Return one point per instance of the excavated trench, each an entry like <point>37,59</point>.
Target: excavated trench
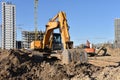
<point>17,65</point>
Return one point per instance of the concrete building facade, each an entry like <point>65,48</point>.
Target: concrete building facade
<point>8,26</point>
<point>117,33</point>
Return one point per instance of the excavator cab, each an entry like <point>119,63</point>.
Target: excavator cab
<point>57,43</point>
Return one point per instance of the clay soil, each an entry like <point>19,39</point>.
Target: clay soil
<point>18,65</point>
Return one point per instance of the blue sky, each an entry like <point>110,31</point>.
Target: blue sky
<point>88,19</point>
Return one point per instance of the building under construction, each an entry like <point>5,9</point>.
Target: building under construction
<point>28,37</point>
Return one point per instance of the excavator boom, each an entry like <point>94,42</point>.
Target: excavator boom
<point>59,21</point>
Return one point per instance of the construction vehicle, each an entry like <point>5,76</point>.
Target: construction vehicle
<point>68,53</point>
<point>52,25</point>
<point>89,49</point>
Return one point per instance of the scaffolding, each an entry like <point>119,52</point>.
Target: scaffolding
<point>29,36</point>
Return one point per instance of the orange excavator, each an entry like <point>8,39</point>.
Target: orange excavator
<point>89,49</point>
<point>68,53</point>
<point>48,40</point>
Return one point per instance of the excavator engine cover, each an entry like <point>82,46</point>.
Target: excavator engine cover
<point>74,55</point>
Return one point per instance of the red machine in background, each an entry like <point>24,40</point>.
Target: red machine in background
<point>89,48</point>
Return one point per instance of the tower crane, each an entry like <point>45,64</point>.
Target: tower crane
<point>36,18</point>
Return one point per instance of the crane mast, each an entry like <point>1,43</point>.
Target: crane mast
<point>36,18</point>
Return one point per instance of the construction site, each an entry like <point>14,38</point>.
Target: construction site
<point>47,55</point>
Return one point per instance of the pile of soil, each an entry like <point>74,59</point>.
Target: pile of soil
<point>17,65</point>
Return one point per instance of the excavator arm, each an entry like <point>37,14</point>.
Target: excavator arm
<point>59,21</point>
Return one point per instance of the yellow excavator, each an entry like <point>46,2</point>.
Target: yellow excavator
<point>68,53</point>
<point>52,25</point>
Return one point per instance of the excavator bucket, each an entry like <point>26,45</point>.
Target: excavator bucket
<point>74,55</point>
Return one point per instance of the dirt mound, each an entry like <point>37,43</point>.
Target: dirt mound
<point>109,73</point>
<point>17,65</point>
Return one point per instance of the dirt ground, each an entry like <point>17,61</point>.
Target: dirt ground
<point>17,65</point>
